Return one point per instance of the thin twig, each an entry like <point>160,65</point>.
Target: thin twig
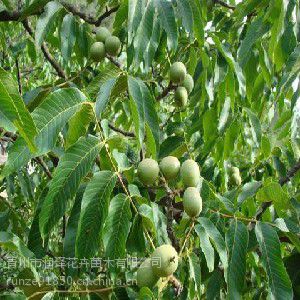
<point>60,72</point>
<point>41,162</point>
<point>290,174</point>
<point>119,130</point>
<point>187,237</point>
<point>19,77</point>
<point>224,4</point>
<point>166,91</point>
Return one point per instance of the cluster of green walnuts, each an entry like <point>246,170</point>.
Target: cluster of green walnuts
<point>164,260</point>
<point>184,83</point>
<point>105,44</point>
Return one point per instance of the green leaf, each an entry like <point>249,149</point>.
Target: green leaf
<point>195,271</point>
<point>117,227</point>
<point>206,247</point>
<point>216,238</point>
<point>145,294</point>
<point>224,50</point>
<point>45,21</point>
<point>173,145</point>
<point>144,32</point>
<point>11,242</point>
<point>290,72</point>
<point>68,36</point>
<point>279,281</point>
<point>168,22</point>
<point>185,11</point>
<point>33,7</point>
<point>104,95</point>
<point>231,136</point>
<point>248,190</point>
<point>35,241</point>
<point>94,211</point>
<point>214,285</point>
<point>50,118</point>
<point>136,238</point>
<point>255,125</point>
<point>273,192</point>
<point>14,110</point>
<point>144,108</point>
<point>135,13</point>
<point>237,238</point>
<point>198,27</point>
<point>79,123</point>
<point>71,230</point>
<point>72,168</point>
<point>254,32</point>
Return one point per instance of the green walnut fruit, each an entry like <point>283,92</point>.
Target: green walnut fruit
<point>164,261</point>
<point>97,51</point>
<point>112,45</point>
<point>192,202</point>
<point>190,173</point>
<point>145,275</point>
<point>181,96</point>
<point>177,72</point>
<point>188,83</point>
<point>170,167</point>
<point>148,171</point>
<point>102,34</point>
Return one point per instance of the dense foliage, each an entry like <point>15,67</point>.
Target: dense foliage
<point>86,120</point>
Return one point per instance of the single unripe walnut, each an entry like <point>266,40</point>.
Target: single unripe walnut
<point>181,96</point>
<point>190,173</point>
<point>170,167</point>
<point>148,171</point>
<point>192,202</point>
<point>97,51</point>
<point>112,45</point>
<point>102,33</point>
<point>145,275</point>
<point>177,72</point>
<point>164,261</point>
<point>188,83</point>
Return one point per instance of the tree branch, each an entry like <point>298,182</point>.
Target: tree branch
<point>41,162</point>
<point>19,76</point>
<point>166,91</point>
<point>119,130</point>
<point>87,18</point>
<point>45,50</point>
<point>224,4</point>
<point>290,174</point>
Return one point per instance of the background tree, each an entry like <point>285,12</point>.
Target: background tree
<point>78,118</point>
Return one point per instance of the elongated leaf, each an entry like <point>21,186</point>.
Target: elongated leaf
<point>135,13</point>
<point>216,239</point>
<point>168,22</point>
<point>50,117</point>
<point>117,227</point>
<point>144,32</point>
<point>14,110</point>
<point>45,21</point>
<point>104,95</point>
<point>233,65</point>
<point>269,244</point>
<point>255,125</point>
<point>195,271</point>
<point>186,14</point>
<point>198,27</point>
<point>79,124</point>
<point>33,7</point>
<point>255,31</point>
<point>35,241</point>
<point>94,211</point>
<point>206,247</point>
<point>237,242</point>
<point>143,109</point>
<point>290,72</point>
<point>12,242</point>
<point>68,36</point>
<point>248,190</point>
<point>72,168</point>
